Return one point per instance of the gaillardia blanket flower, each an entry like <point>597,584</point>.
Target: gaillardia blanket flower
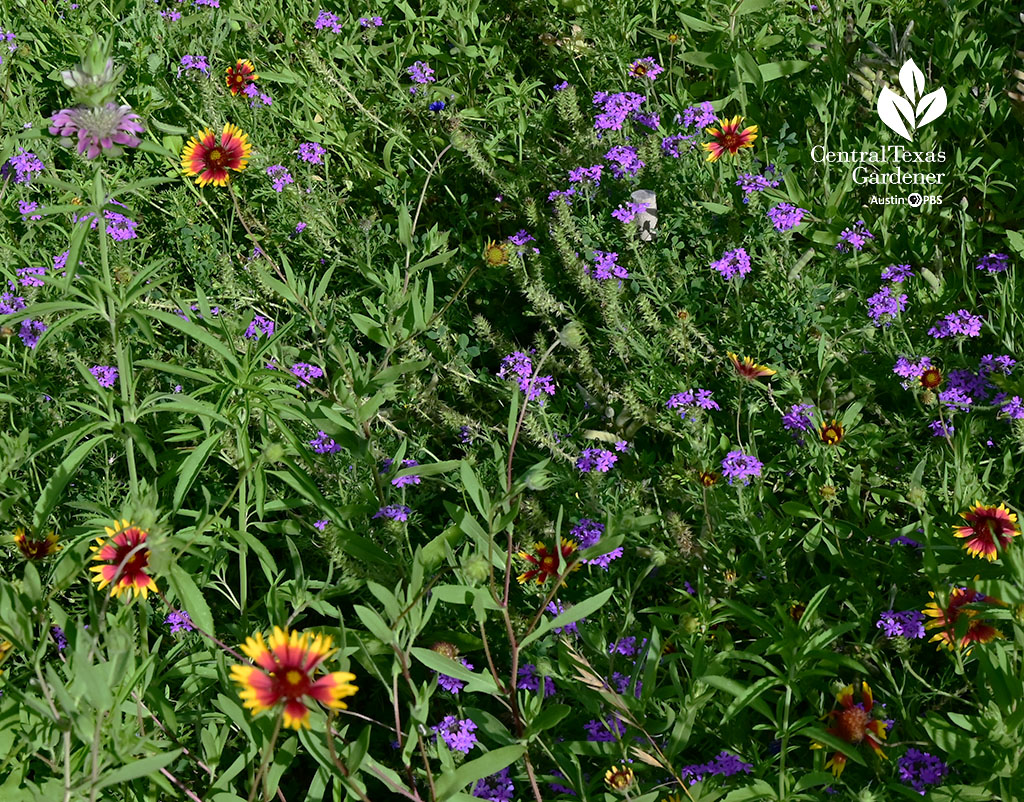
<point>545,561</point>
<point>986,525</point>
<point>831,434</point>
<point>284,670</point>
<point>854,724</point>
<point>945,619</point>
<point>496,253</point>
<point>748,369</point>
<point>123,560</point>
<point>729,138</point>
<point>35,549</point>
<point>209,160</point>
<point>240,74</point>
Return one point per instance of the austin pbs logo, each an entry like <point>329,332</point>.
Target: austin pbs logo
<point>905,115</point>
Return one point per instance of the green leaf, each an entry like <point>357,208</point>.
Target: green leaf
<point>491,763</point>
<point>138,768</point>
<point>750,6</point>
<point>59,478</point>
<point>548,718</point>
<point>431,469</point>
<point>570,616</point>
<point>1016,241</point>
<point>781,69</point>
<point>405,227</point>
<point>445,665</point>
<point>192,465</point>
<point>191,597</point>
<point>376,625</point>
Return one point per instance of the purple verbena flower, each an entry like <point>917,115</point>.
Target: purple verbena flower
<point>25,164</point>
<point>260,326</point>
<point>960,322</point>
<point>994,263</point>
<point>920,770</point>
<point>885,306</point>
<point>855,237</point>
<point>738,465</point>
<point>786,216</point>
<point>105,375</point>
<point>733,263</point>
<point>322,444</point>
<point>897,274</point>
<point>305,373</point>
<point>396,512</point>
<point>312,152</point>
<point>179,621</point>
<point>598,459</point>
<point>31,331</point>
<point>457,733</point>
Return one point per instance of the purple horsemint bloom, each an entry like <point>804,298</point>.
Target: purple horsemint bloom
<point>920,770</point>
<point>312,152</point>
<point>25,164</point>
<point>786,216</point>
<point>960,322</point>
<point>885,306</point>
<point>738,465</point>
<point>31,331</point>
<point>98,129</point>
<point>457,733</point>
<point>260,326</point>
<point>565,194</point>
<point>496,788</point>
<point>411,479</point>
<point>855,237</point>
<point>897,274</point>
<point>280,175</point>
<point>396,512</point>
<point>421,73</point>
<point>907,624</point>
<point>305,373</point>
<point>322,444</point>
<point>598,459</point>
<point>994,263</point>
<point>105,375</point>
<point>529,680</point>
<point>179,621</point>
<point>733,263</point>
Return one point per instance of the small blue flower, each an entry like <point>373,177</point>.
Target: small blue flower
<point>437,105</point>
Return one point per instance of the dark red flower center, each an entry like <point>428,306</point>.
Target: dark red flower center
<point>851,724</point>
<point>290,682</point>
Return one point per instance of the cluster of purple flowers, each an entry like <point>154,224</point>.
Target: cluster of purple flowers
<point>941,429</point>
<point>496,788</point>
<point>421,73</point>
<point>855,237</point>
<point>26,208</point>
<point>592,174</point>
<point>179,621</point>
<point>758,182</point>
<point>322,523</point>
<point>724,765</point>
<point>59,638</point>
<point>691,399</point>
<point>960,322</point>
<point>596,459</point>
<point>625,161</point>
<point>796,420</point>
<point>25,164</point>
<point>615,108</point>
<point>8,37</point>
<point>457,733</point>
<point>260,326</point>
<point>450,684</point>
<point>994,263</point>
<point>738,465</point>
<point>256,96</point>
<point>885,305</point>
<point>119,227</point>
<point>520,238</point>
<point>327,19</point>
<point>398,512</point>
<point>786,216</point>
<point>598,732</point>
<point>897,274</point>
<point>9,302</point>
<point>626,214</point>
<point>31,331</point>
<point>733,263</point>
<point>411,479</point>
<point>281,177</point>
<point>911,370</point>
<point>105,375</point>
<point>907,624</point>
<point>322,444</point>
<point>587,533</point>
<point>606,266</point>
<point>312,152</point>
<point>920,769</point>
<point>626,646</point>
<point>528,679</point>
<point>699,116</point>
<point>670,144</point>
<point>305,373</point>
<point>519,364</point>
<point>31,276</point>
<point>370,22</point>
<point>197,63</point>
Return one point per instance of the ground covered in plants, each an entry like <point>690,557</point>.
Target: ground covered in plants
<point>538,400</point>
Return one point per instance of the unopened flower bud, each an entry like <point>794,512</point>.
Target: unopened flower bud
<point>446,649</point>
<point>917,496</point>
<point>571,335</point>
<point>476,569</point>
<point>274,452</point>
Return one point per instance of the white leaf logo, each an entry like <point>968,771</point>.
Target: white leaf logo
<point>904,115</point>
